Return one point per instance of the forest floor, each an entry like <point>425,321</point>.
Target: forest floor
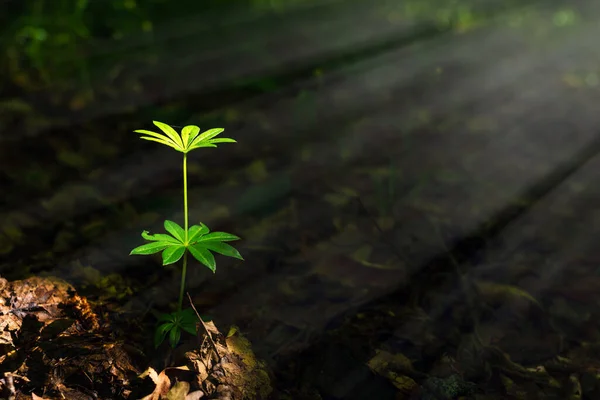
<point>424,210</point>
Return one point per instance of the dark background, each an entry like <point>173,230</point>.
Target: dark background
<point>409,166</point>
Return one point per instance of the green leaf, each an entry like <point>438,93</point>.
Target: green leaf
<point>189,321</point>
<point>222,248</point>
<point>201,144</point>
<point>160,237</point>
<point>188,134</point>
<point>222,140</point>
<point>184,137</point>
<point>172,254</point>
<point>218,236</point>
<point>204,256</point>
<point>161,333</point>
<point>163,317</point>
<point>205,136</point>
<point>176,230</point>
<point>190,327</point>
<point>172,133</point>
<point>158,136</point>
<point>174,336</point>
<point>188,313</point>
<point>195,231</point>
<point>151,248</point>
<point>162,142</point>
<point>176,322</point>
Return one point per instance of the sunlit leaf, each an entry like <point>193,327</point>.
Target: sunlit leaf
<point>160,237</point>
<point>161,141</point>
<point>157,136</point>
<point>189,133</point>
<point>176,230</point>
<point>209,134</point>
<point>222,140</point>
<point>172,254</point>
<point>170,132</point>
<point>201,144</point>
<point>218,236</point>
<point>184,137</point>
<point>204,256</point>
<point>222,248</point>
<point>150,248</point>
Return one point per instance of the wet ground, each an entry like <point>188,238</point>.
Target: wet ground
<point>416,199</point>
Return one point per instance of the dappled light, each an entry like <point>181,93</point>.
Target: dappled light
<point>385,199</point>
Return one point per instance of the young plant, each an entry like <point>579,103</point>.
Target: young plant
<point>197,240</point>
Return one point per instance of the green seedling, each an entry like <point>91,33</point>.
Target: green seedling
<point>197,240</point>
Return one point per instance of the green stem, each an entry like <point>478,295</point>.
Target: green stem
<point>185,217</point>
<point>182,289</point>
<point>185,204</point>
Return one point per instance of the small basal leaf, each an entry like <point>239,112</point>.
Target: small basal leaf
<point>161,333</point>
<point>222,248</point>
<point>189,321</point>
<point>195,231</point>
<point>171,133</point>
<point>188,134</point>
<point>174,336</point>
<point>204,256</point>
<point>218,236</point>
<point>167,326</point>
<point>188,314</point>
<point>151,248</point>
<point>173,254</point>
<point>190,327</point>
<point>176,230</point>
<point>163,317</point>
<point>160,237</point>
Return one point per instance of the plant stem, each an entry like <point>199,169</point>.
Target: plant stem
<point>182,289</point>
<point>185,217</point>
<point>185,204</point>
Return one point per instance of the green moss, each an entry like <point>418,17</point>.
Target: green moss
<point>254,379</point>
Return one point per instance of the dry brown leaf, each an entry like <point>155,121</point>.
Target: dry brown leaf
<point>162,382</point>
<point>179,391</point>
<point>196,395</point>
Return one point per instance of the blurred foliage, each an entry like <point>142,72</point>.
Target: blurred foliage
<point>46,40</point>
